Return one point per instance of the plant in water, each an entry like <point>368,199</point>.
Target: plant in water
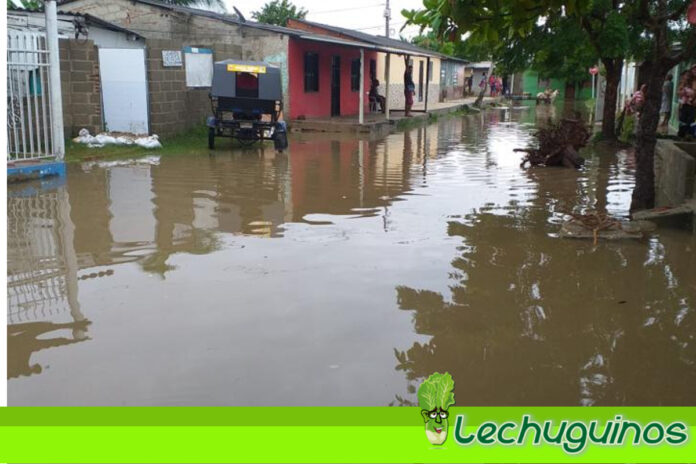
<point>628,129</point>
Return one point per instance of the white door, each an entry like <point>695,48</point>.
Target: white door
<point>124,89</point>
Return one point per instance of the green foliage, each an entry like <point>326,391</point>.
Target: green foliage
<point>612,34</point>
<point>278,12</point>
<point>437,391</point>
<point>31,5</point>
<point>510,33</point>
<point>487,22</point>
<point>628,128</point>
<point>562,50</point>
<point>431,41</point>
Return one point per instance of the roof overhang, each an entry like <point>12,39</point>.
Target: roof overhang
<point>355,44</point>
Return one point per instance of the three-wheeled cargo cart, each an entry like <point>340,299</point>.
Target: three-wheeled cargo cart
<point>247,101</point>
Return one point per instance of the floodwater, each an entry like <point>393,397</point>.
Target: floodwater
<point>343,273</point>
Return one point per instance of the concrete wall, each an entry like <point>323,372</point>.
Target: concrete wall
<point>675,172</point>
<point>451,80</point>
<point>174,106</point>
<point>80,85</point>
<point>105,38</point>
<point>478,75</point>
<point>397,68</point>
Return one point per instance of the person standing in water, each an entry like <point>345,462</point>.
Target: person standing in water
<point>409,88</point>
<point>666,106</point>
<point>687,102</point>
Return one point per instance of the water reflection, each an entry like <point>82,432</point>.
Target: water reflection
<point>253,278</point>
<point>533,320</point>
<point>41,277</point>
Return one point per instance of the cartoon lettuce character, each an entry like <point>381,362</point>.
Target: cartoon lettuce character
<point>435,396</point>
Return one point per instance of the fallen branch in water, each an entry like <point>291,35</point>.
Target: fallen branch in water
<point>596,222</point>
<point>558,145</point>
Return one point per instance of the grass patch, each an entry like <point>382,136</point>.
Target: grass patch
<point>191,142</point>
<point>409,123</point>
<point>628,129</point>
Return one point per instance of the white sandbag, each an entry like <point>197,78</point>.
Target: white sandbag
<point>104,138</point>
<point>121,140</point>
<point>149,142</point>
<point>84,137</point>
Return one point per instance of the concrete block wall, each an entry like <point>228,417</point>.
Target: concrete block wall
<point>397,99</point>
<point>675,172</point>
<point>451,92</point>
<point>80,85</point>
<point>174,107</point>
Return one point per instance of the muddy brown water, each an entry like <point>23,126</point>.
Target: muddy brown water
<point>343,273</point>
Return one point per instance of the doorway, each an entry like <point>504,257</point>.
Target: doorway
<point>124,94</point>
<point>335,85</point>
<point>570,91</point>
<point>420,81</point>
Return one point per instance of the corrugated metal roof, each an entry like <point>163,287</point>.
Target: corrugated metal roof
<point>362,39</point>
<point>384,42</point>
<point>230,19</point>
<point>21,18</point>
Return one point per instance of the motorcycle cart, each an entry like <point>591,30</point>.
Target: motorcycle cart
<point>247,101</point>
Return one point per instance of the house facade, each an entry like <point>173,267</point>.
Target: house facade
<point>533,83</point>
<point>87,88</point>
<point>426,77</point>
<point>325,78</point>
<point>182,45</point>
<point>452,78</point>
<point>426,63</point>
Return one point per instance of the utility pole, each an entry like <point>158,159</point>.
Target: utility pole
<point>387,17</point>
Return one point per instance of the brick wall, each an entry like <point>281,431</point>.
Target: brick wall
<point>80,86</point>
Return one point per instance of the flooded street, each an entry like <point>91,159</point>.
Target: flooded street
<point>343,273</point>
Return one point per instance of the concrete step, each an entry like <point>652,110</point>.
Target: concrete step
<point>688,207</point>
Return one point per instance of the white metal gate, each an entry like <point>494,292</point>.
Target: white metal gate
<point>28,100</point>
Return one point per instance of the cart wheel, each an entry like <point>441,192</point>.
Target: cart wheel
<point>211,138</point>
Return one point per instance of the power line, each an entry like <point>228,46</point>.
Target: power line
<point>380,26</point>
<point>345,9</point>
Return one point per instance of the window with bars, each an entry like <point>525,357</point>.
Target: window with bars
<point>311,72</point>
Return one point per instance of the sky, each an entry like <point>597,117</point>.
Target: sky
<point>364,15</point>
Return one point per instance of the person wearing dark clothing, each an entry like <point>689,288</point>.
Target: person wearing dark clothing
<point>375,96</point>
<point>409,88</point>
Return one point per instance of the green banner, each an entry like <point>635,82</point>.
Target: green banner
<point>317,434</point>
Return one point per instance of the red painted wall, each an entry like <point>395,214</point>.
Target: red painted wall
<point>318,104</point>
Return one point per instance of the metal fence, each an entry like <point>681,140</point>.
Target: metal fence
<point>28,97</point>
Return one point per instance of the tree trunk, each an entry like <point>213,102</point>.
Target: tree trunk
<point>614,67</point>
<point>644,190</point>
